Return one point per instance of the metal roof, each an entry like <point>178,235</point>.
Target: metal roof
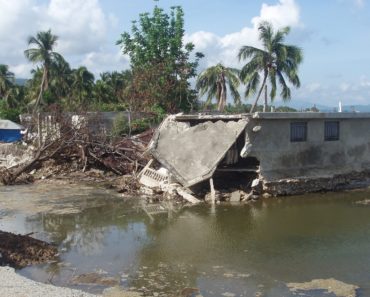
<point>9,125</point>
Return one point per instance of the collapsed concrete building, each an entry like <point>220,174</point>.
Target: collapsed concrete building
<point>281,153</point>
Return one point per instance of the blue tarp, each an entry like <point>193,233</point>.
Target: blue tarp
<point>10,135</point>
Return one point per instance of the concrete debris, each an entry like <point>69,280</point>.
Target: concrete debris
<point>255,183</point>
<point>13,154</point>
<point>158,180</point>
<point>235,196</point>
<point>187,196</point>
<point>256,128</point>
<point>191,154</point>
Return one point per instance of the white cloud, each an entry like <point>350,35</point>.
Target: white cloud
<point>313,87</point>
<point>81,26</point>
<point>101,62</point>
<point>225,48</point>
<point>359,3</point>
<point>344,86</point>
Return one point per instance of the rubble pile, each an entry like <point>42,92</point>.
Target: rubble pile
<point>21,250</point>
<point>95,159</point>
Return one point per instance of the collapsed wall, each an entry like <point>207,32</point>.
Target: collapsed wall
<point>286,153</point>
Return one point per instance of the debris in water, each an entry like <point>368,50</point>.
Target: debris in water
<point>21,250</point>
<point>331,285</point>
<point>95,279</point>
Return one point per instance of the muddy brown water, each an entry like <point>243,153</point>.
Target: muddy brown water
<point>224,250</point>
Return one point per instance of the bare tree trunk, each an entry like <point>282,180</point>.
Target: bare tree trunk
<point>41,89</point>
<point>259,94</point>
<point>222,102</point>
<point>39,130</point>
<point>265,104</point>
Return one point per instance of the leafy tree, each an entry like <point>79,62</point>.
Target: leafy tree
<point>43,53</point>
<point>82,86</point>
<point>6,81</point>
<point>61,79</point>
<point>158,54</point>
<point>276,61</point>
<point>215,80</point>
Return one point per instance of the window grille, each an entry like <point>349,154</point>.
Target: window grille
<point>331,131</point>
<point>298,131</point>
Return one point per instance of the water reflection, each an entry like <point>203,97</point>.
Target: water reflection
<point>242,250</point>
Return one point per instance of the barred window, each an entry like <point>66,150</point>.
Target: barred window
<point>331,131</point>
<point>298,131</point>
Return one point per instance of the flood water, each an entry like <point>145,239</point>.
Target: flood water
<point>224,250</point>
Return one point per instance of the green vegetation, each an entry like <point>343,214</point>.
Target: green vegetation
<point>159,79</point>
<point>215,80</point>
<point>160,61</point>
<point>275,61</point>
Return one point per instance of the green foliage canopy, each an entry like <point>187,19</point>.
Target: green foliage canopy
<point>158,54</point>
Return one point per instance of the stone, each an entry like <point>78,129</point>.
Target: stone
<point>255,183</point>
<point>266,195</point>
<point>256,128</point>
<point>255,197</point>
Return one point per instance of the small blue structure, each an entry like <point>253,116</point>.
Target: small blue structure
<point>10,131</point>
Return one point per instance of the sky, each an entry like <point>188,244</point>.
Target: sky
<point>333,34</point>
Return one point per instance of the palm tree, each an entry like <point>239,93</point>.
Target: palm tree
<point>215,80</point>
<point>61,78</point>
<point>82,85</point>
<point>275,61</point>
<point>43,53</point>
<point>6,81</point>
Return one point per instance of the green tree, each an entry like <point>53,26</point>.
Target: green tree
<point>61,79</point>
<point>43,53</point>
<point>156,46</point>
<point>82,86</point>
<point>7,80</point>
<point>215,81</point>
<point>276,61</point>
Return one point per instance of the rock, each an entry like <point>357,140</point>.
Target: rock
<point>247,197</point>
<point>331,285</point>
<point>95,279</point>
<point>255,197</point>
<point>255,183</point>
<point>187,292</point>
<point>266,195</point>
<point>256,128</point>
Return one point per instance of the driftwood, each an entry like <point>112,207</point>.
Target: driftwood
<point>125,156</point>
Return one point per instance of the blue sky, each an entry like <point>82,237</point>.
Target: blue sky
<point>334,35</point>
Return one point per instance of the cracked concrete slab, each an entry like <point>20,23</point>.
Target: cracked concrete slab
<point>192,154</point>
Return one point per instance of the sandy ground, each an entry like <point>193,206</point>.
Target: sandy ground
<point>14,285</point>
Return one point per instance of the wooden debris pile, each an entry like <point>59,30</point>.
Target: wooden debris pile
<point>124,157</point>
<point>22,250</point>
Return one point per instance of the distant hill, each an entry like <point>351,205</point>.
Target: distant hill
<point>300,105</point>
<point>20,81</point>
<point>359,108</point>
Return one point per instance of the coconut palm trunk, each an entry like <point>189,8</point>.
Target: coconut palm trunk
<point>42,88</point>
<point>259,94</point>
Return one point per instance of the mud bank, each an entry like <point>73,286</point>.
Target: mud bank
<point>298,186</point>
